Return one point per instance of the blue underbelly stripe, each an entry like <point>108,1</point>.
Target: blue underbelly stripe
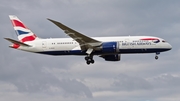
<point>122,51</point>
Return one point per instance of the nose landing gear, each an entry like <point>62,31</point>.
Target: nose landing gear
<point>157,53</point>
<point>156,57</point>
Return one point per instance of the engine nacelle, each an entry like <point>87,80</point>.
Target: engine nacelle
<point>110,47</point>
<point>116,57</point>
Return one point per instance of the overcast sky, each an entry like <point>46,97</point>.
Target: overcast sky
<point>33,77</point>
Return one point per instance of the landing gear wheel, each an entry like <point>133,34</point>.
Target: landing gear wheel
<point>88,62</point>
<point>89,59</point>
<point>92,61</point>
<point>86,58</point>
<point>156,57</point>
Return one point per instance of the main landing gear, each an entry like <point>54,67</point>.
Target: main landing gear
<point>89,59</point>
<point>157,53</point>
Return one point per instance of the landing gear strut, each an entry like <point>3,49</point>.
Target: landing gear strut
<point>89,59</point>
<point>157,53</point>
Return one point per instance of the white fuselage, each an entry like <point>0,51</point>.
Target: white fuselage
<point>127,44</point>
<point>109,48</point>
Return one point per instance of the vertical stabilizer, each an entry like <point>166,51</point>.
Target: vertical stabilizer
<point>24,33</point>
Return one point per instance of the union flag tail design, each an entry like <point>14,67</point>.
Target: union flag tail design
<point>24,34</point>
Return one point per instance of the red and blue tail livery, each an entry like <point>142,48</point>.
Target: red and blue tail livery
<point>24,33</point>
<point>108,48</point>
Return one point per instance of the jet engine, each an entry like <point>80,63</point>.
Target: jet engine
<point>115,57</point>
<point>110,47</point>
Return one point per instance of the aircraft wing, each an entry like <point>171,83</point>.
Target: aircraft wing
<point>84,41</point>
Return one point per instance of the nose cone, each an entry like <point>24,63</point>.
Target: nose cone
<point>169,46</point>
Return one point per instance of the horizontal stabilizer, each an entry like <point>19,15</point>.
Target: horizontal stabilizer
<point>17,42</point>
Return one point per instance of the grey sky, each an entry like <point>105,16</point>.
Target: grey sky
<point>33,77</point>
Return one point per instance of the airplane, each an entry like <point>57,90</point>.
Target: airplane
<point>109,48</point>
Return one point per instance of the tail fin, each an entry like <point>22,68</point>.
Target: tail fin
<point>24,34</point>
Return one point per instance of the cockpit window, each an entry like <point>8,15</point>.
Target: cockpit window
<point>163,41</point>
